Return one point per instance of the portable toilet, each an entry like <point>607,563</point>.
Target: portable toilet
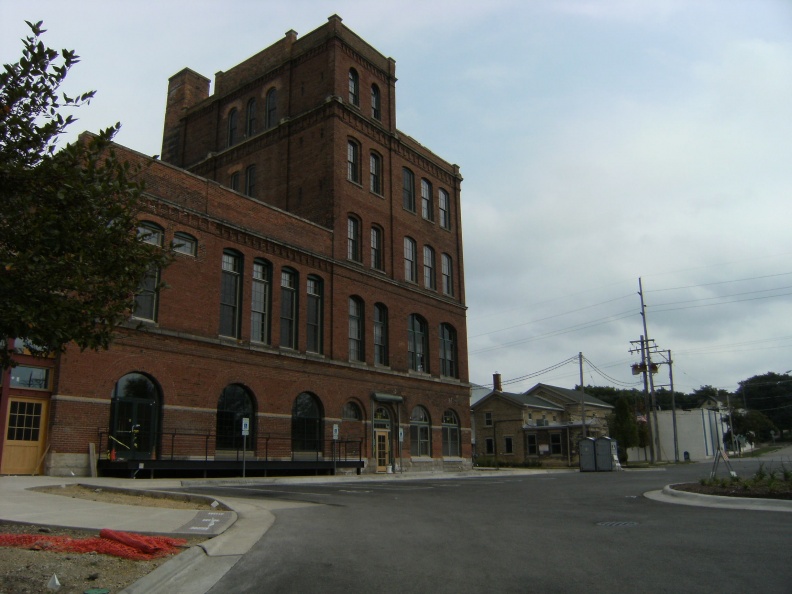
<point>588,458</point>
<point>606,454</point>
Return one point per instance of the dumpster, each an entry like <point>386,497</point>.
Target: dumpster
<point>588,458</point>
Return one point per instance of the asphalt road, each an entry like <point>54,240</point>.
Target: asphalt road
<point>564,532</point>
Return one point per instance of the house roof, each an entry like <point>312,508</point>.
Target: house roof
<point>521,400</point>
<point>570,396</point>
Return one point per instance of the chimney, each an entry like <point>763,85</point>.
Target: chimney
<point>496,382</point>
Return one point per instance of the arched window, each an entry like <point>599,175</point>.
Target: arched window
<point>380,334</point>
<point>351,412</point>
<point>272,109</point>
<point>450,434</point>
<point>427,200</point>
<point>418,344</point>
<point>377,256</point>
<point>410,260</point>
<point>250,181</point>
<point>353,161</point>
<point>376,106</point>
<point>250,117</point>
<point>230,293</point>
<point>420,431</point>
<point>150,233</point>
<point>353,239</point>
<point>448,351</point>
<point>235,404</point>
<point>134,418</point>
<point>356,345</point>
<point>232,127</point>
<point>184,243</point>
<point>408,189</point>
<point>354,87</point>
<point>288,309</point>
<point>375,171</point>
<point>429,267</point>
<point>447,272</point>
<point>315,314</point>
<point>444,205</point>
<point>307,433</point>
<point>260,302</point>
<point>234,181</point>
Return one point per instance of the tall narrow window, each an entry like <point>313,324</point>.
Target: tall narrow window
<point>147,295</point>
<point>380,334</point>
<point>234,183</point>
<point>271,108</point>
<point>376,103</point>
<point>230,295</point>
<point>450,433</point>
<point>377,260</point>
<point>375,169</point>
<point>288,309</point>
<point>315,313</point>
<point>250,118</point>
<point>417,344</point>
<point>353,239</point>
<point>448,351</point>
<point>353,161</point>
<point>354,87</point>
<point>232,127</point>
<point>410,260</point>
<point>260,302</point>
<point>427,201</point>
<point>429,267</point>
<point>356,347</point>
<point>448,274</point>
<point>250,181</point>
<point>445,209</point>
<point>420,430</point>
<point>408,189</point>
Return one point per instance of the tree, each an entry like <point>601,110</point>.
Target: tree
<point>770,394</point>
<point>70,257</point>
<point>623,427</point>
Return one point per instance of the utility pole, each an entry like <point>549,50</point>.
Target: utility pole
<point>582,396</point>
<point>649,371</point>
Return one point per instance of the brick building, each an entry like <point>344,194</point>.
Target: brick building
<point>317,288</point>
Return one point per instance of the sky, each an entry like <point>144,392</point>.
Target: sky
<point>601,142</point>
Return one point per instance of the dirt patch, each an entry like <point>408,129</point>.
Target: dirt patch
<point>737,490</point>
<point>130,497</point>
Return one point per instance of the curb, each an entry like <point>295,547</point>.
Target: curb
<point>670,495</point>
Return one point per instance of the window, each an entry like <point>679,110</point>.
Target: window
<point>375,168</point>
<point>354,87</point>
<point>427,201</point>
<point>146,298</point>
<point>234,183</point>
<point>315,307</point>
<point>555,443</point>
<point>24,421</point>
<point>380,334</point>
<point>250,181</point>
<point>447,272</point>
<point>230,295</point>
<point>408,191</point>
<point>250,118</point>
<point>307,424</point>
<point>377,260</point>
<point>445,209</point>
<point>488,419</point>
<point>271,107</point>
<point>235,404</point>
<point>232,127</point>
<point>260,302</point>
<point>450,433</point>
<point>353,161</point>
<point>376,104</point>
<point>34,378</point>
<point>508,445</point>
<point>351,412</point>
<point>185,243</point>
<point>420,430</point>
<point>356,346</point>
<point>150,233</point>
<point>353,239</point>
<point>489,446</point>
<point>418,344</point>
<point>288,309</point>
<point>533,449</point>
<point>410,260</point>
<point>448,351</point>
<point>429,267</point>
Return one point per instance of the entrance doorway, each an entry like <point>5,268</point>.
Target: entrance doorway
<point>134,418</point>
<point>26,437</point>
<point>382,438</point>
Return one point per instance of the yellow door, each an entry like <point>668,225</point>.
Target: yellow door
<point>25,439</point>
<point>382,441</point>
